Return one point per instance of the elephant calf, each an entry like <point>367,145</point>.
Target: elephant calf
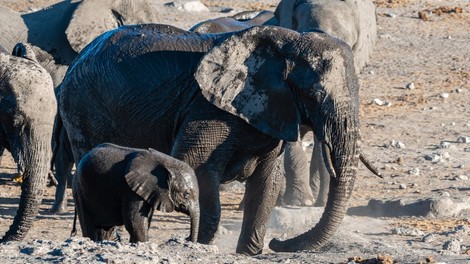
<point>116,185</point>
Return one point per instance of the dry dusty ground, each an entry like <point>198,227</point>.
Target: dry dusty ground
<point>417,138</point>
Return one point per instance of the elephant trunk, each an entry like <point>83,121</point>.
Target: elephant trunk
<point>342,164</point>
<point>194,214</point>
<point>34,155</point>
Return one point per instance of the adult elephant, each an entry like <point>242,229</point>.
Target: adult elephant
<point>57,33</point>
<point>239,21</point>
<point>214,101</point>
<point>27,110</point>
<point>353,21</point>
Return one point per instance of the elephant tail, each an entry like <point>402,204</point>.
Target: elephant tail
<point>74,226</point>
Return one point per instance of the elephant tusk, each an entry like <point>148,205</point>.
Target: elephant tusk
<point>327,159</point>
<point>369,165</point>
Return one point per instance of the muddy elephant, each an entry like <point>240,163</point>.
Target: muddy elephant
<point>116,186</point>
<point>205,100</point>
<point>57,33</point>
<point>236,22</point>
<point>27,110</point>
<point>353,21</point>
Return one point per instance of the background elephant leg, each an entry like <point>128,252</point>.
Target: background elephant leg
<point>106,233</point>
<point>298,191</point>
<point>320,178</point>
<point>63,169</point>
<point>63,164</point>
<point>261,191</point>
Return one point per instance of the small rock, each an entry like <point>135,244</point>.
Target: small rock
<point>429,238</point>
<point>463,139</point>
<point>462,177</point>
<point>462,229</point>
<point>444,95</point>
<point>433,157</point>
<point>402,186</point>
<point>405,231</point>
<point>445,144</point>
<point>391,15</point>
<point>190,6</point>
<point>410,86</point>
<point>452,245</point>
<point>414,172</point>
<point>378,102</point>
<point>458,90</point>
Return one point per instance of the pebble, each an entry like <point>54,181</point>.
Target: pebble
<point>391,15</point>
<point>378,102</point>
<point>452,245</point>
<point>462,177</point>
<point>463,139</point>
<point>444,95</point>
<point>429,238</point>
<point>462,229</point>
<point>402,186</point>
<point>410,86</point>
<point>414,172</point>
<point>433,157</point>
<point>190,6</point>
<point>404,231</point>
<point>445,144</point>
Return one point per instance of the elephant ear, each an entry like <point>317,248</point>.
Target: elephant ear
<point>245,76</point>
<point>149,180</point>
<point>94,17</point>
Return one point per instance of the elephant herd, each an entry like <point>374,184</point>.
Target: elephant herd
<point>157,117</point>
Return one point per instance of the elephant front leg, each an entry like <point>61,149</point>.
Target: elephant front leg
<point>210,210</point>
<point>262,189</point>
<point>298,191</point>
<point>320,178</point>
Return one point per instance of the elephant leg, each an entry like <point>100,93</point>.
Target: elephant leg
<point>106,233</point>
<point>63,169</point>
<point>86,221</point>
<point>136,219</point>
<point>320,178</point>
<point>298,191</point>
<point>63,163</point>
<point>210,209</point>
<point>262,189</point>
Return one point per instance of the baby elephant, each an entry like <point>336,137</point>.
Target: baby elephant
<point>116,186</point>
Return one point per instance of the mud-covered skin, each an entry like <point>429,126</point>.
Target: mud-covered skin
<point>27,110</point>
<point>204,99</point>
<point>353,21</point>
<point>236,22</point>
<point>57,33</point>
<point>117,186</point>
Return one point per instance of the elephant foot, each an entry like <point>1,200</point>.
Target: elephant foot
<point>299,199</point>
<point>58,208</point>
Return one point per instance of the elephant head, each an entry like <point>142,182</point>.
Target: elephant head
<point>58,32</point>
<point>353,21</point>
<point>166,184</point>
<point>277,79</point>
<point>27,110</point>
